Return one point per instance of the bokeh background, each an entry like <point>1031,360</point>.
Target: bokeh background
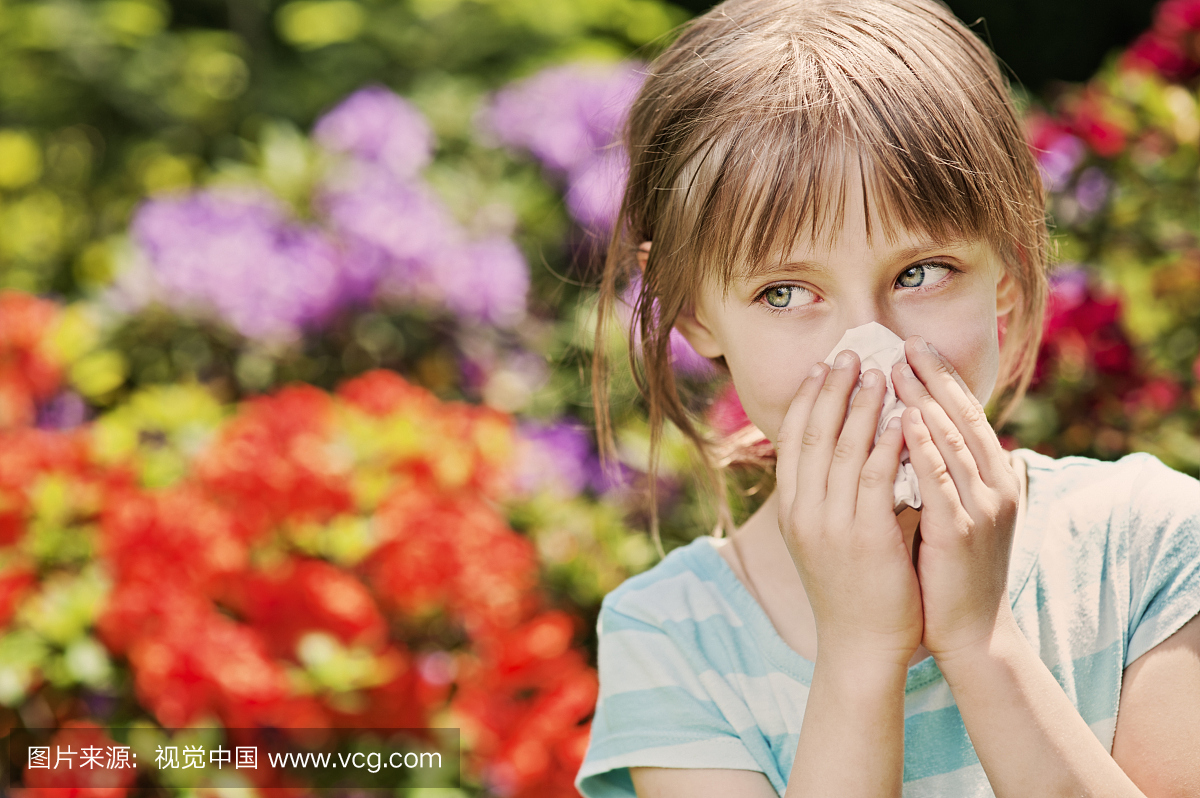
<point>295,425</point>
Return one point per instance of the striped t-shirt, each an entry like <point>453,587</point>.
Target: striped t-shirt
<point>1105,566</point>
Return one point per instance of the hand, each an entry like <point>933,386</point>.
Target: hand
<point>969,495</point>
<point>835,514</point>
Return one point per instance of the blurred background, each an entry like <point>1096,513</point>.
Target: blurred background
<point>296,313</point>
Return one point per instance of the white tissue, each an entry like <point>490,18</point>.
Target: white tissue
<point>878,347</point>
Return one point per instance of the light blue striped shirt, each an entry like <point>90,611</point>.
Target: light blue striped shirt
<point>1105,566</point>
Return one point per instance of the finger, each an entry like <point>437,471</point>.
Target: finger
<point>952,447</point>
<point>962,407</point>
<point>878,475</point>
<point>938,493</point>
<point>823,429</point>
<point>855,442</point>
<point>787,442</point>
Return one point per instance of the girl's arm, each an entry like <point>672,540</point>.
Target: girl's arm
<point>1032,741</point>
<point>1028,735</point>
<point>836,517</point>
<point>1158,721</point>
<point>851,744</point>
<point>835,514</point>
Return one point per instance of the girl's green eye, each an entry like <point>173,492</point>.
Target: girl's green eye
<point>779,296</point>
<point>786,297</point>
<point>922,274</point>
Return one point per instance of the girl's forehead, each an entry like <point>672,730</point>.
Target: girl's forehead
<point>854,222</point>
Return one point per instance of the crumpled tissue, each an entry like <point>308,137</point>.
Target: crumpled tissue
<point>878,347</point>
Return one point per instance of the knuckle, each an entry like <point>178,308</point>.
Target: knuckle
<point>941,476</point>
<point>925,399</point>
<point>973,414</point>
<point>872,478</point>
<point>844,450</point>
<point>812,437</point>
<point>956,442</point>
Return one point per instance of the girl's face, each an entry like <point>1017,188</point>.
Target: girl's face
<point>771,328</point>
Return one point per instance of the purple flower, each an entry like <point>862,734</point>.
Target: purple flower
<point>392,230</point>
<point>237,256</point>
<point>596,186</point>
<point>1059,159</point>
<point>483,280</point>
<point>377,126</point>
<point>67,410</point>
<point>1069,285</point>
<point>400,235</point>
<point>556,457</point>
<point>563,115</point>
<point>1091,189</point>
<point>570,119</point>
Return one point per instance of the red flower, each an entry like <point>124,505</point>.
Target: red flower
<point>1159,396</point>
<point>1172,46</point>
<point>1104,136</point>
<point>178,536</point>
<point>272,461</point>
<point>453,554</point>
<point>1178,17</point>
<point>1082,330</point>
<point>14,584</point>
<point>210,667</point>
<point>1153,52</point>
<point>526,703</point>
<point>381,393</point>
<point>300,596</point>
<point>28,375</point>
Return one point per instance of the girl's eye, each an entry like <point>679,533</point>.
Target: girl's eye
<point>782,297</point>
<point>923,275</point>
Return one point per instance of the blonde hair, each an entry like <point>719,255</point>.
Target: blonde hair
<point>742,139</point>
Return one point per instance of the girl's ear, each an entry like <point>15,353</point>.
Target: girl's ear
<point>1008,294</point>
<point>698,335</point>
<point>643,255</point>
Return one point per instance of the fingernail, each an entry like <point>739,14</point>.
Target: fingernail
<point>914,415</point>
<point>817,370</point>
<point>907,371</point>
<point>843,360</point>
<point>870,379</point>
<point>894,422</point>
<point>921,345</point>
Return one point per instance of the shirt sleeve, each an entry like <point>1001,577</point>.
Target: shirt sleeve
<point>653,709</point>
<point>1164,555</point>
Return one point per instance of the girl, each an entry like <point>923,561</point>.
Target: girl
<point>800,168</point>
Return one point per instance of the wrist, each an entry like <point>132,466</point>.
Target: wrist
<point>1003,639</point>
<point>863,677</point>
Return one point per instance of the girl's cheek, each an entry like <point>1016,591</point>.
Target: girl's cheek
<point>977,360</point>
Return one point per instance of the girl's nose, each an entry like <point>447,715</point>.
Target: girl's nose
<point>857,317</point>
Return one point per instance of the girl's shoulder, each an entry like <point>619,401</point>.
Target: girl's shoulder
<point>1129,483</point>
<point>690,585</point>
